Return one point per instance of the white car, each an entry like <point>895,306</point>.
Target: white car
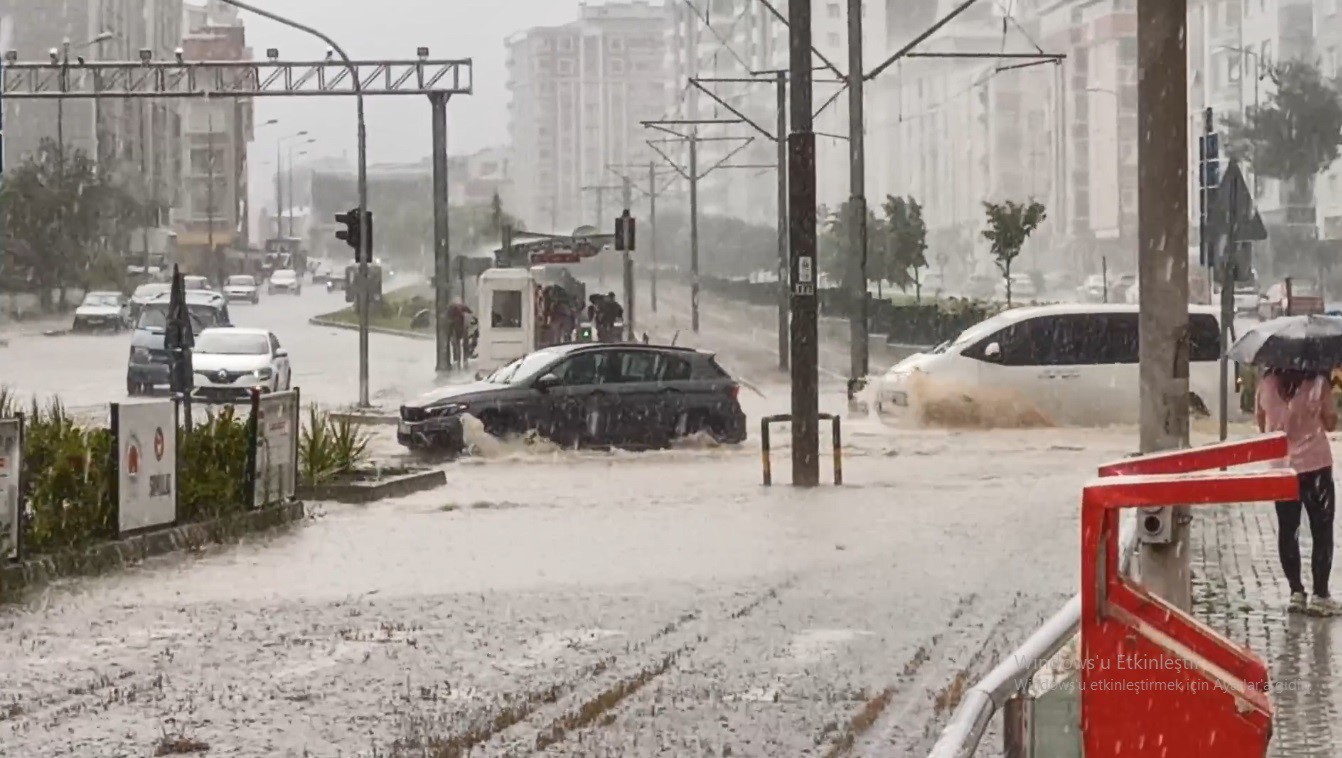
<point>242,287</point>
<point>196,283</point>
<point>1065,364</point>
<point>101,310</point>
<point>229,362</point>
<point>285,280</point>
<point>1022,288</point>
<point>1092,290</point>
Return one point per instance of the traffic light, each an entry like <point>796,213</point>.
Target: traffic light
<point>353,231</point>
<point>624,232</point>
<point>1209,151</point>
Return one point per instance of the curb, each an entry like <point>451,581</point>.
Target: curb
<point>18,578</point>
<point>332,323</point>
<point>365,419</point>
<point>358,493</point>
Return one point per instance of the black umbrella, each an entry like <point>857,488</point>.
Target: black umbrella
<point>1299,343</point>
<point>178,339</point>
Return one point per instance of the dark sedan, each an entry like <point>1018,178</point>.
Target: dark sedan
<point>586,394</point>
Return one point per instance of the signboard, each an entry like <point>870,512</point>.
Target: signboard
<point>146,445</point>
<point>11,464</point>
<point>275,469</point>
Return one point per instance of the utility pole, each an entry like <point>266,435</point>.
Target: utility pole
<point>652,233</point>
<point>279,189</point>
<point>780,79</point>
<point>627,265</point>
<point>857,178</point>
<point>694,230</point>
<point>209,201</point>
<point>1162,271</point>
<point>801,212</point>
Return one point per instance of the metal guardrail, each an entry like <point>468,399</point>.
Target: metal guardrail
<point>960,738</point>
<point>836,434</point>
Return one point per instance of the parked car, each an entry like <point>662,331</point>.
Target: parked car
<point>197,283</point>
<point>1091,290</point>
<point>1118,289</point>
<point>102,310</point>
<point>229,362</point>
<point>285,280</point>
<point>586,394</point>
<point>242,287</point>
<point>148,366</point>
<point>1073,363</point>
<point>1022,288</point>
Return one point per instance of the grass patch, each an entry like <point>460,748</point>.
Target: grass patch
<point>396,311</point>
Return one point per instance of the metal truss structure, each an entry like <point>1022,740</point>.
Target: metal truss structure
<point>271,78</point>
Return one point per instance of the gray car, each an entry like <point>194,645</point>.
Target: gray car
<point>620,394</point>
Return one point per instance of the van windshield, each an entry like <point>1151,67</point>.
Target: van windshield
<point>155,318</point>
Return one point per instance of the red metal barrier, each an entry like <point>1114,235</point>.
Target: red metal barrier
<point>1157,682</point>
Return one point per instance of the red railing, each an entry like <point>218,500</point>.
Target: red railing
<point>1155,681</point>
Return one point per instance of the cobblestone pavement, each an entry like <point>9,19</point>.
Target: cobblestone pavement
<point>1239,590</point>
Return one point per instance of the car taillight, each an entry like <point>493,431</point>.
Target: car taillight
<point>734,391</point>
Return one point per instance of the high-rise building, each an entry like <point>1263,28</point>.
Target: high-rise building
<point>134,140</point>
<point>579,91</point>
<point>212,212</point>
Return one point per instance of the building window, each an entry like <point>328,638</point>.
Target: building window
<point>617,66</point>
<point>565,44</point>
<point>566,67</point>
<point>616,43</point>
<point>833,10</point>
<point>833,39</point>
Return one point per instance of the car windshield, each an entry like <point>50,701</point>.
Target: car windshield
<point>155,317</point>
<point>284,276</point>
<point>241,281</point>
<point>195,282</point>
<point>145,291</point>
<point>232,343</point>
<point>522,369</point>
<point>102,299</point>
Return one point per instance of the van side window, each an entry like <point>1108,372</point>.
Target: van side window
<point>1019,343</point>
<point>1204,338</point>
<point>1076,339</point>
<point>1121,338</point>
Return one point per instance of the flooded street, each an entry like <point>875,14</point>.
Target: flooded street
<point>577,603</point>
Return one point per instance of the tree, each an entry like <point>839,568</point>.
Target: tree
<point>64,216</point>
<point>1010,224</point>
<point>1296,134</point>
<point>905,244</point>
<point>836,246</point>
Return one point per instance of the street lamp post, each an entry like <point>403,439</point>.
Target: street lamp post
<point>291,183</point>
<point>1118,155</point>
<point>362,138</point>
<point>64,57</point>
<point>279,178</point>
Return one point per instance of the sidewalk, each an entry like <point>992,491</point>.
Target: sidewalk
<point>1238,590</point>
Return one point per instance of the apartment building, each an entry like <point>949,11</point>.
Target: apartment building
<point>212,211</point>
<point>579,92</point>
<point>134,140</point>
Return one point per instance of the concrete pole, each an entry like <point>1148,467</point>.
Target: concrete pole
<point>781,82</point>
<point>801,217</point>
<point>856,269</point>
<point>694,230</point>
<point>442,270</point>
<point>279,189</point>
<point>652,232</point>
<point>1162,266</point>
<point>627,265</point>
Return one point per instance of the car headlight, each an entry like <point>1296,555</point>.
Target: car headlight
<point>447,409</point>
<point>139,355</point>
<point>262,373</point>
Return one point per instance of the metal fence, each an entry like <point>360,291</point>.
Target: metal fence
<point>1012,676</point>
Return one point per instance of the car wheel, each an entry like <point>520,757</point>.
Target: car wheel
<point>496,424</point>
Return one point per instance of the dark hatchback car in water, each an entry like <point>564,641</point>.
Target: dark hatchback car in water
<point>586,394</point>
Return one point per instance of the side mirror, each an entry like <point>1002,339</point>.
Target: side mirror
<point>281,353</point>
<point>992,351</point>
<point>546,382</point>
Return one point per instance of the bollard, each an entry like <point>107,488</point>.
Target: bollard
<point>764,451</point>
<point>1017,729</point>
<point>837,434</point>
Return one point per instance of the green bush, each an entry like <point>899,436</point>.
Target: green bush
<point>212,467</point>
<point>329,447</point>
<point>70,471</point>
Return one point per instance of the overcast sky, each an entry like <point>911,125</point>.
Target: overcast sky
<point>398,127</point>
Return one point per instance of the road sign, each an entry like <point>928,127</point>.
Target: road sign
<point>133,457</point>
<point>1233,211</point>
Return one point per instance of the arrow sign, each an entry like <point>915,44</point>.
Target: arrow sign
<point>1233,213</point>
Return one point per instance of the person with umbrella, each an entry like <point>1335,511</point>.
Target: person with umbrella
<point>1295,396</point>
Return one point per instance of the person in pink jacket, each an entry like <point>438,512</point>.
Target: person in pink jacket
<point>1300,404</point>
